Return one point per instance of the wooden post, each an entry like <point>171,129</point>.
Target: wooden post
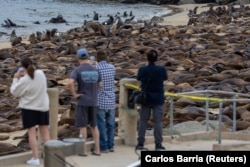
<point>53,112</point>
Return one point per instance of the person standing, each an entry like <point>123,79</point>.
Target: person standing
<point>88,81</point>
<point>106,103</point>
<point>30,85</point>
<point>152,79</point>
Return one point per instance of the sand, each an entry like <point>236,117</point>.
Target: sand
<point>179,17</point>
<point>181,13</point>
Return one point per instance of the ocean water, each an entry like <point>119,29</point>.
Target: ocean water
<point>26,12</point>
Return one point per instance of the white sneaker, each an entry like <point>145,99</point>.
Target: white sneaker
<point>33,161</point>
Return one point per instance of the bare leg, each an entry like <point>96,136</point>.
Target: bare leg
<point>83,132</point>
<point>44,130</point>
<point>95,134</point>
<point>33,141</point>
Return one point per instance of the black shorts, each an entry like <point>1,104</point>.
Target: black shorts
<point>32,118</point>
<point>85,115</point>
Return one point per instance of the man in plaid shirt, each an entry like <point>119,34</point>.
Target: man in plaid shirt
<point>106,103</point>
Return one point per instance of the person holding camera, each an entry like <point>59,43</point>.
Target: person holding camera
<point>152,79</point>
<point>88,81</point>
<point>30,85</point>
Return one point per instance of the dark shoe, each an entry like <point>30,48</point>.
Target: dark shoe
<point>139,147</point>
<point>159,147</point>
<point>83,155</point>
<point>104,150</point>
<point>96,154</point>
<point>111,150</point>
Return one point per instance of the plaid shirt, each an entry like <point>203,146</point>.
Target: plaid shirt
<point>106,95</point>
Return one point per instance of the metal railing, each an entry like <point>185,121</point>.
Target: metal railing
<point>235,98</point>
<point>207,100</point>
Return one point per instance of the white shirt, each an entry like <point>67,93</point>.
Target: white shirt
<point>32,92</point>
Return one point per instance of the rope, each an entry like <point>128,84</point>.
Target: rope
<point>136,87</point>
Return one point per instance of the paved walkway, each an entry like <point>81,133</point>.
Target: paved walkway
<point>125,155</point>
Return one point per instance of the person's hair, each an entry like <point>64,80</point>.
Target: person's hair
<point>152,56</point>
<point>29,65</point>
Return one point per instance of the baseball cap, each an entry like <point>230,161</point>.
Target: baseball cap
<point>82,53</point>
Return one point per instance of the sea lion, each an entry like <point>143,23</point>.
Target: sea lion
<point>32,38</point>
<point>13,35</point>
<point>244,112</point>
<point>4,127</point>
<point>7,148</point>
<point>58,19</point>
<point>110,21</point>
<point>96,27</point>
<point>240,125</point>
<point>4,137</point>
<point>16,41</point>
<point>96,16</point>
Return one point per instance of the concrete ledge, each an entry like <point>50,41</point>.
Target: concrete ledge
<point>231,147</point>
<point>243,144</point>
<point>19,158</point>
<point>244,139</point>
<point>13,159</point>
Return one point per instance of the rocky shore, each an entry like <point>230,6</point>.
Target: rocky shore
<point>203,48</point>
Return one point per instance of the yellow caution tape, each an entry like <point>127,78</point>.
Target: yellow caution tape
<point>136,87</point>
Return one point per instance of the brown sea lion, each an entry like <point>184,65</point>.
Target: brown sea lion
<point>240,125</point>
<point>4,137</point>
<point>244,112</point>
<point>6,128</point>
<point>6,148</point>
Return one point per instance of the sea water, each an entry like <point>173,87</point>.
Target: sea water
<point>26,12</point>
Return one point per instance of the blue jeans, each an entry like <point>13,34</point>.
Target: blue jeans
<point>106,126</point>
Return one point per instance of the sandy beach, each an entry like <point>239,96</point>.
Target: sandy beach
<point>179,17</point>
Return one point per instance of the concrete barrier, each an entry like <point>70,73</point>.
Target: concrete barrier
<point>55,152</point>
<point>127,125</point>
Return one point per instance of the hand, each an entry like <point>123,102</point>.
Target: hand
<point>17,75</point>
<point>76,96</point>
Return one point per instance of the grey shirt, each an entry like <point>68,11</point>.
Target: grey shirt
<point>87,78</point>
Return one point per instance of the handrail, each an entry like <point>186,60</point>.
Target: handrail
<point>185,94</point>
<point>205,98</point>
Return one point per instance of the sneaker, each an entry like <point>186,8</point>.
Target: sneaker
<point>111,150</point>
<point>33,161</point>
<point>159,147</point>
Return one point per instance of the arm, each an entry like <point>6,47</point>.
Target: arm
<point>165,74</point>
<point>138,77</point>
<point>71,86</point>
<point>100,84</point>
<point>18,87</point>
